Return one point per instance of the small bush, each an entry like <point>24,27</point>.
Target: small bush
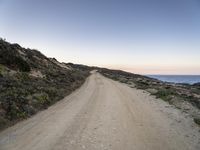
<point>165,94</point>
<point>142,85</point>
<point>3,122</point>
<point>1,69</point>
<point>13,111</point>
<point>43,99</point>
<point>22,65</point>
<point>197,120</point>
<point>11,59</point>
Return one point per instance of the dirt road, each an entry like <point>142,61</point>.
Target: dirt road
<point>104,115</point>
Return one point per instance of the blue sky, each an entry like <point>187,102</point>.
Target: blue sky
<point>141,36</point>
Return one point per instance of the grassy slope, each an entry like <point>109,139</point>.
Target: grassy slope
<point>22,93</point>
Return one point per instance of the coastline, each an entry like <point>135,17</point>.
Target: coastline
<point>184,97</point>
<point>179,79</point>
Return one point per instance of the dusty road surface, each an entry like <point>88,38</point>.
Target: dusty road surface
<point>104,115</point>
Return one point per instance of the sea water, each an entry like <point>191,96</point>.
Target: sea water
<point>191,79</point>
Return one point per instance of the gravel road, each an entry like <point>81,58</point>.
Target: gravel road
<point>105,115</point>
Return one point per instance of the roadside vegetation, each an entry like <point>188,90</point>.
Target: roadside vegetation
<point>197,120</point>
<point>183,96</point>
<point>30,82</point>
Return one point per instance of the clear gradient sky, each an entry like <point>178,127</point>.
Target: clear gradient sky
<point>141,36</point>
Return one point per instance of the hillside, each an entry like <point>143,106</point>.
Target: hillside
<point>29,82</point>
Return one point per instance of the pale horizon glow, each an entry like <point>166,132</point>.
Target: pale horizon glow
<point>139,36</point>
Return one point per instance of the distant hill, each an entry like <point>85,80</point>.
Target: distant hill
<point>29,81</point>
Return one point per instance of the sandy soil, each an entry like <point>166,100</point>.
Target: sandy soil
<point>105,115</point>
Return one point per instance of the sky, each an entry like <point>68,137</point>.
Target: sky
<point>140,36</point>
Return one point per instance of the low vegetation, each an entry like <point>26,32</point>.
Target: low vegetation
<point>183,96</point>
<point>30,82</point>
<point>197,121</point>
<point>165,94</point>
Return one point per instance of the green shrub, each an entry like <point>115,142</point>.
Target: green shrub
<point>9,58</point>
<point>43,99</point>
<point>197,120</point>
<point>165,94</point>
<point>12,111</point>
<point>3,122</point>
<point>1,68</point>
<point>22,65</point>
<point>142,85</point>
<point>21,114</point>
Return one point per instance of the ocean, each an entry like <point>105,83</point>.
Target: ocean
<point>191,79</point>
